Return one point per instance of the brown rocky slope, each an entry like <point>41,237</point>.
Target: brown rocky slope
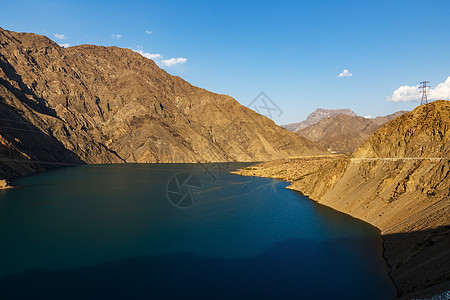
<point>92,104</point>
<point>399,181</point>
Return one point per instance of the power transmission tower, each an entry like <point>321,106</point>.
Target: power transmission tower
<point>424,91</point>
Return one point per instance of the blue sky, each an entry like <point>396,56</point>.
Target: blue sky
<point>291,50</point>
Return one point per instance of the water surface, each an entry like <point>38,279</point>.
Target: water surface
<point>118,231</point>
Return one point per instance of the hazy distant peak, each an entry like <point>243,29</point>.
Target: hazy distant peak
<point>316,116</point>
<point>343,133</point>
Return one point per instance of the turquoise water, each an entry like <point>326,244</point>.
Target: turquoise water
<point>126,231</point>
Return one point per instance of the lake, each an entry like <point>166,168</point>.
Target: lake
<point>180,231</point>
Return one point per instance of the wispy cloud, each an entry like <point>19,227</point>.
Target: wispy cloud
<point>345,73</point>
<point>60,36</point>
<point>148,32</point>
<point>65,45</point>
<point>173,61</point>
<point>148,55</point>
<point>117,36</point>
<point>412,93</point>
<point>158,58</point>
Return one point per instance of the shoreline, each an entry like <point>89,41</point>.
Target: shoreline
<point>383,250</point>
<point>383,254</point>
<point>414,226</point>
<point>233,171</point>
<point>390,240</point>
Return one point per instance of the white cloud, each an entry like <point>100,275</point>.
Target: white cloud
<point>368,117</point>
<point>65,45</point>
<point>441,91</point>
<point>148,55</point>
<point>173,61</point>
<point>117,36</point>
<point>60,36</point>
<point>405,93</point>
<point>345,73</point>
<point>158,58</point>
<point>148,32</point>
<point>412,93</point>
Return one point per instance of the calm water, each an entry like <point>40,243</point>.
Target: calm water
<point>136,231</point>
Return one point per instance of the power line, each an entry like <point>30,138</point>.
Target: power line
<point>424,91</point>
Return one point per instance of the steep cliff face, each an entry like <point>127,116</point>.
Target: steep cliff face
<point>398,181</point>
<point>344,133</point>
<point>27,139</point>
<point>111,105</point>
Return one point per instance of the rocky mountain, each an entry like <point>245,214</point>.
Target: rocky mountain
<point>316,116</point>
<point>344,133</point>
<point>399,181</point>
<point>421,133</point>
<point>93,104</point>
<point>291,126</point>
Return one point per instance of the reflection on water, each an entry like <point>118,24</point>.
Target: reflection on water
<point>89,226</point>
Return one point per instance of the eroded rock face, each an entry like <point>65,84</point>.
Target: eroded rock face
<point>423,132</point>
<point>109,105</point>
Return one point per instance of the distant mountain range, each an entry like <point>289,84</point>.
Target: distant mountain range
<point>316,116</point>
<point>93,104</point>
<point>344,133</point>
<point>338,130</point>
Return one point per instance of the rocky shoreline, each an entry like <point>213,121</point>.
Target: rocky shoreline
<point>4,184</point>
<point>415,238</point>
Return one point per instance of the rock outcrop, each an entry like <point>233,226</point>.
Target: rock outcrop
<point>399,181</point>
<point>3,184</point>
<point>92,104</point>
<point>421,133</point>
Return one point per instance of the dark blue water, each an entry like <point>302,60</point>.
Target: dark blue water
<point>136,231</point>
